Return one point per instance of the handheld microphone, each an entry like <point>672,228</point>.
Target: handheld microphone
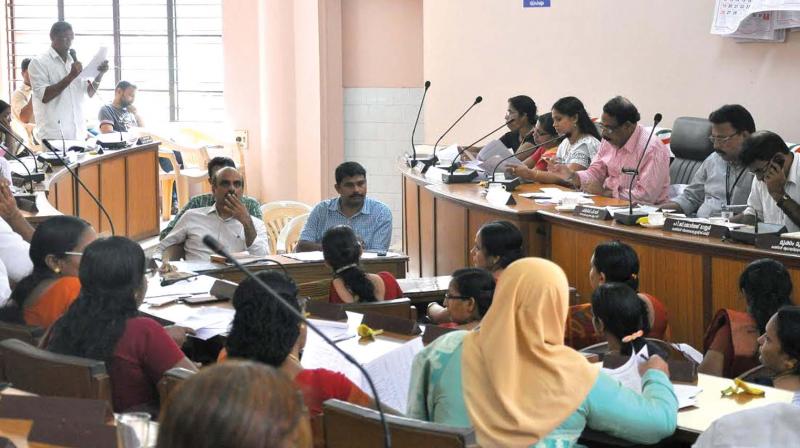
<point>513,183</point>
<point>74,56</point>
<point>80,182</point>
<point>413,161</point>
<point>172,281</point>
<point>432,161</point>
<point>214,245</point>
<point>630,217</point>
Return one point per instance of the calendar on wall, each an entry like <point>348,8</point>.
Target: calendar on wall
<point>755,20</point>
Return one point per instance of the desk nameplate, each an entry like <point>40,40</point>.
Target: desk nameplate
<point>695,228</point>
<point>778,243</point>
<point>593,212</point>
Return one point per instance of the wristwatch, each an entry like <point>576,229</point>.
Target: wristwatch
<point>783,199</point>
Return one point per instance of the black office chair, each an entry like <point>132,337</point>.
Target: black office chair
<point>691,146</point>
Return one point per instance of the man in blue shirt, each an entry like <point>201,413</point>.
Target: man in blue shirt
<point>371,220</point>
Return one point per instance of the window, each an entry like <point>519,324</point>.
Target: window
<point>171,49</point>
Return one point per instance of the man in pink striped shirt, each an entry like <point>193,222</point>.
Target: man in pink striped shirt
<point>623,143</point>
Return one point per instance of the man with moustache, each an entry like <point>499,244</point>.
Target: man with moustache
<point>227,220</point>
<point>622,146</point>
<point>721,180</point>
<point>120,115</point>
<point>371,220</point>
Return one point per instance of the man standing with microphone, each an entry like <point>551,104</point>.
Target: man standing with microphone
<point>58,89</point>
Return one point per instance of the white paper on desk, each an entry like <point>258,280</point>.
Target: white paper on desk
<point>90,70</point>
<point>197,285</point>
<point>628,373</point>
<point>493,148</point>
<point>686,394</point>
<point>689,351</point>
<point>392,374</point>
<point>315,255</point>
<point>336,331</point>
<point>446,155</point>
<point>208,317</point>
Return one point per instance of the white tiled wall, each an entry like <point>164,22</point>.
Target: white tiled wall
<point>377,131</point>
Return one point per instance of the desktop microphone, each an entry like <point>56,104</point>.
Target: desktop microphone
<point>513,183</point>
<point>80,182</point>
<point>38,177</point>
<point>432,161</point>
<point>413,162</point>
<point>215,245</point>
<point>450,177</point>
<point>630,218</point>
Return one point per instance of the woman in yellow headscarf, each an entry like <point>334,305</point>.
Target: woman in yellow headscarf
<point>516,382</point>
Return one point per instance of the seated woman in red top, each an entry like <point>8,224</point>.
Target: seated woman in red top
<point>342,252</point>
<point>103,323</point>
<point>264,331</point>
<point>468,297</point>
<point>43,296</point>
<point>730,341</point>
<point>613,261</point>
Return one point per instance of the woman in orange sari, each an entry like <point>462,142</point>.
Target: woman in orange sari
<point>730,343</point>
<point>56,249</point>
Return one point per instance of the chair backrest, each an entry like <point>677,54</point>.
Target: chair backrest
<point>316,290</point>
<point>353,426</point>
<point>690,144</point>
<point>49,374</point>
<point>397,308</point>
<point>24,333</point>
<point>278,214</point>
<point>290,234</point>
<point>171,379</point>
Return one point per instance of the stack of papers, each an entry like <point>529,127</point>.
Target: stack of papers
<point>336,331</point>
<point>209,321</point>
<point>317,255</point>
<point>755,20</point>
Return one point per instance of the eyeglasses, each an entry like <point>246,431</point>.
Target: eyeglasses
<point>447,296</point>
<point>716,139</point>
<point>77,254</point>
<point>606,129</point>
<point>760,172</point>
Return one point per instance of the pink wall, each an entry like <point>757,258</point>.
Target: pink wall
<point>277,87</point>
<point>659,53</point>
<point>382,43</point>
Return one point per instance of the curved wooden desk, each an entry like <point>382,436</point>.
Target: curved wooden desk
<point>693,276</point>
<point>125,182</point>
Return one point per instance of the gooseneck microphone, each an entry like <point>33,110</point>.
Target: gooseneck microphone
<point>630,218</point>
<point>215,245</point>
<point>31,178</point>
<point>512,184</point>
<point>464,149</point>
<point>432,161</point>
<point>80,182</point>
<point>413,162</point>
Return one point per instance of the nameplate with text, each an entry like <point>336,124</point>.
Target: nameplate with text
<point>695,228</point>
<point>592,212</point>
<point>778,243</point>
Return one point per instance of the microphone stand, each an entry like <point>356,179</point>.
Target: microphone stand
<point>80,182</point>
<point>510,185</point>
<point>413,162</point>
<point>214,245</point>
<point>630,218</point>
<point>450,177</point>
<point>31,178</point>
<point>432,161</point>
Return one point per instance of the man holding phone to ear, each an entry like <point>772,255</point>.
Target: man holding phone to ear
<point>775,194</point>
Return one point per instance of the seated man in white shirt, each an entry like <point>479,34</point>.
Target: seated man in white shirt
<point>15,232</point>
<point>775,194</point>
<point>227,220</point>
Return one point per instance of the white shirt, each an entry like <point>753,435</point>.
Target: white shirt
<point>15,262</point>
<point>46,70</point>
<point>199,222</point>
<point>762,203</point>
<point>19,99</point>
